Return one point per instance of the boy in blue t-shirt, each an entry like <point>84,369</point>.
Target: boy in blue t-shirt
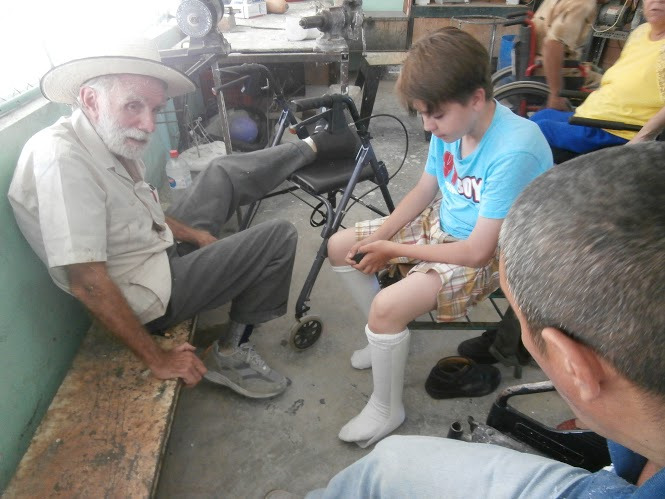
<point>481,156</point>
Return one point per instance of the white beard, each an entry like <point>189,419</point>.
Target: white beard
<point>115,137</point>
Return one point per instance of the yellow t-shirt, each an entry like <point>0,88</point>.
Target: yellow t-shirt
<point>633,89</point>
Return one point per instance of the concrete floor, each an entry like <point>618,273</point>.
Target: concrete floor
<point>223,445</point>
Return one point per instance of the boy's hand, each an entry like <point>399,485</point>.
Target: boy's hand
<point>376,257</point>
<point>353,257</point>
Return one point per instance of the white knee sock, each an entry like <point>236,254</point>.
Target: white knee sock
<point>363,289</point>
<point>384,412</point>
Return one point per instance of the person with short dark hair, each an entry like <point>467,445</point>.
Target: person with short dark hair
<point>582,264</point>
<point>481,156</point>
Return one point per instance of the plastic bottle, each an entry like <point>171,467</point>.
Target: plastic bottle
<point>178,175</point>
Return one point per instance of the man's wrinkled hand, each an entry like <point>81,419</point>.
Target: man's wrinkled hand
<point>204,238</point>
<point>179,362</point>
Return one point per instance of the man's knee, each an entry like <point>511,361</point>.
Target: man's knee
<point>283,232</point>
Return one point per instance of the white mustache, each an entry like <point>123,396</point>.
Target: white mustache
<point>136,134</point>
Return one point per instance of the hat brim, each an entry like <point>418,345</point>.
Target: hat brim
<point>62,83</point>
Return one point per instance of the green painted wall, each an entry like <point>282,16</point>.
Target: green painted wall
<point>40,326</point>
<point>385,5</point>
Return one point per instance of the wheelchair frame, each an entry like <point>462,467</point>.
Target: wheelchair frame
<point>308,328</point>
<point>525,95</point>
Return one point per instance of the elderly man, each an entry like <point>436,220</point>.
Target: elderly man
<point>582,265</point>
<point>81,200</point>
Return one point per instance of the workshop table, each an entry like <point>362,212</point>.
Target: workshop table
<point>263,40</point>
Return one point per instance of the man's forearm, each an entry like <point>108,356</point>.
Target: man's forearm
<point>181,231</point>
<point>651,128</point>
<point>91,284</point>
<point>552,63</point>
<point>185,233</point>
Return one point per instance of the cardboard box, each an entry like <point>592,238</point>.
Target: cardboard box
<point>249,8</point>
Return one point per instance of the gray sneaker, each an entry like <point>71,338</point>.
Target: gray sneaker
<point>244,371</point>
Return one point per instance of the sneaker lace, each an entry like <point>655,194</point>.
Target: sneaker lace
<point>253,358</point>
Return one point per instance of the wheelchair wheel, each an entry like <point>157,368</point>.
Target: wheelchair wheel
<point>523,97</point>
<point>306,332</point>
<point>500,75</point>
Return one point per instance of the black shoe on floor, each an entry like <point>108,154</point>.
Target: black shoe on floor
<point>342,144</point>
<point>461,377</point>
<point>478,348</point>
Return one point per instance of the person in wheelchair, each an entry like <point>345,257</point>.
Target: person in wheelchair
<point>562,28</point>
<point>481,156</point>
<point>631,91</point>
<point>584,271</point>
<point>80,198</point>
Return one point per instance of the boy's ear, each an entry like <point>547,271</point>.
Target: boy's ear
<point>576,362</point>
<point>478,97</point>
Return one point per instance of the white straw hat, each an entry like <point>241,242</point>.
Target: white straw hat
<point>139,57</point>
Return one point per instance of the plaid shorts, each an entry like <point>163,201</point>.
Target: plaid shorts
<point>461,287</point>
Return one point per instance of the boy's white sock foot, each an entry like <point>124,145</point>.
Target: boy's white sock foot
<point>384,412</point>
<point>372,424</point>
<point>362,359</point>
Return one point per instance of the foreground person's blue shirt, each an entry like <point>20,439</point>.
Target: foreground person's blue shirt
<point>621,482</point>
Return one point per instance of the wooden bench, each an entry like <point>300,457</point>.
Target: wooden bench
<point>106,430</point>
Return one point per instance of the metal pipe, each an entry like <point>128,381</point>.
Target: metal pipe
<point>455,431</point>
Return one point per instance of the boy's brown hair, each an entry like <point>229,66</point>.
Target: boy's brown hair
<point>447,65</point>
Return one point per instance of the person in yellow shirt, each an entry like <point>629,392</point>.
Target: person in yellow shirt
<point>631,91</point>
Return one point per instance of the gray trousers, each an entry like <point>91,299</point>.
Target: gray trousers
<point>252,268</point>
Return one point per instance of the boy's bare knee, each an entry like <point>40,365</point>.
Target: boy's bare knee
<point>382,315</point>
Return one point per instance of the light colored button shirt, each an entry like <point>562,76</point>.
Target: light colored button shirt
<point>75,203</point>
<point>567,21</point>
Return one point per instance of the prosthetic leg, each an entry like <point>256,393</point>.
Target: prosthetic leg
<point>363,289</point>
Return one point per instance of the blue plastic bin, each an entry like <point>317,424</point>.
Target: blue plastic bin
<point>505,51</point>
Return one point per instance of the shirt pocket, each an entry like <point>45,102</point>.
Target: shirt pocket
<point>124,228</point>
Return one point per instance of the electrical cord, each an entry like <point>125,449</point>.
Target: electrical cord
<point>619,16</point>
<point>401,165</point>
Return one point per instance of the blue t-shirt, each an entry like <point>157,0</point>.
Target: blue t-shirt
<point>621,483</point>
<point>511,154</point>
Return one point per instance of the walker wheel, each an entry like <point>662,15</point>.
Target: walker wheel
<point>306,332</point>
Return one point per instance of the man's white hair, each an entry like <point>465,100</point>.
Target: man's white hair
<point>101,84</point>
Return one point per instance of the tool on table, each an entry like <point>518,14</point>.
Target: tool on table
<point>337,24</point>
<point>199,20</point>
